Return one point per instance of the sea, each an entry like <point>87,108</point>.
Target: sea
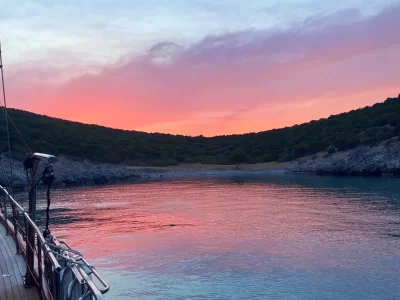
<point>263,236</point>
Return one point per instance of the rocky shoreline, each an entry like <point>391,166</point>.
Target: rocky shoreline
<point>360,161</point>
<point>70,172</point>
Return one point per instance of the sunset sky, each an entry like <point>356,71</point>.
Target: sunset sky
<point>196,67</point>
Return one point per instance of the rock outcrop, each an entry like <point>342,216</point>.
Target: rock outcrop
<point>362,160</point>
<point>72,172</point>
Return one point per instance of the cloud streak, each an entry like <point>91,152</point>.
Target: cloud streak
<point>249,80</point>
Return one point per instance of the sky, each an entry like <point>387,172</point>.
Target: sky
<point>199,67</point>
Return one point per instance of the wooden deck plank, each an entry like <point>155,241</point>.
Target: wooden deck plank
<point>18,260</point>
<point>13,265</point>
<point>17,280</point>
<point>3,290</point>
<point>20,267</point>
<point>8,273</point>
<point>6,291</point>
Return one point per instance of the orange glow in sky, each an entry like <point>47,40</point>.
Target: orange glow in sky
<point>225,83</point>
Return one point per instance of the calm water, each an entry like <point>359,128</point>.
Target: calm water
<point>269,237</point>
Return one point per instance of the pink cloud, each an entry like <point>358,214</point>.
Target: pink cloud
<point>236,82</point>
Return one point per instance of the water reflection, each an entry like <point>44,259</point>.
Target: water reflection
<point>259,237</point>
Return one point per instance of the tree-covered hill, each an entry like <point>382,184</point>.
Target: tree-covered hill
<point>366,126</point>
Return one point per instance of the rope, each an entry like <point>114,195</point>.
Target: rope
<point>48,178</point>
<point>8,117</point>
<point>16,128</point>
<point>5,112</point>
<point>62,249</point>
<point>3,173</point>
<point>69,260</point>
<point>47,232</point>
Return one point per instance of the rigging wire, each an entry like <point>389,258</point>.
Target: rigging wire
<point>47,176</point>
<point>5,178</point>
<point>6,114</point>
<point>16,128</point>
<point>9,181</point>
<point>47,179</point>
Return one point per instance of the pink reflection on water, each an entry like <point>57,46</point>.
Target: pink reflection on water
<point>136,226</point>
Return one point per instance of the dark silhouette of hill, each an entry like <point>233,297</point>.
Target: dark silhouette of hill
<point>366,126</point>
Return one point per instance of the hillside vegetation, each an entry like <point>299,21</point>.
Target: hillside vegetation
<point>366,126</point>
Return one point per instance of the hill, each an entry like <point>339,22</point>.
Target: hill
<point>367,126</point>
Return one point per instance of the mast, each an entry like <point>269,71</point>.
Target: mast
<point>6,116</point>
<point>29,280</point>
<point>30,239</point>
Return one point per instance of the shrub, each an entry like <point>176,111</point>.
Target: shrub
<point>238,156</point>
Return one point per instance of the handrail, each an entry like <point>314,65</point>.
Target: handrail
<point>54,259</point>
<point>36,229</point>
<point>106,287</point>
<point>12,199</point>
<point>99,278</point>
<point>43,242</point>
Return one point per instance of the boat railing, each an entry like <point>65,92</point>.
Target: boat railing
<point>58,271</point>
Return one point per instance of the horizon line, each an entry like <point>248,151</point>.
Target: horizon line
<point>201,135</point>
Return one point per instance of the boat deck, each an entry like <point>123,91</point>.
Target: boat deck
<point>12,270</point>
